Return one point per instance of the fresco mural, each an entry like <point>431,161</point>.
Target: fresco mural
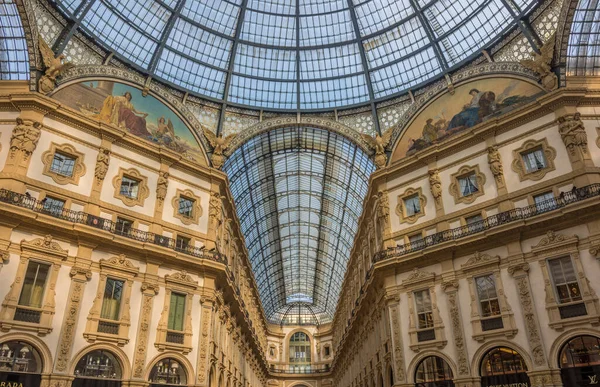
<point>471,104</point>
<point>124,106</point>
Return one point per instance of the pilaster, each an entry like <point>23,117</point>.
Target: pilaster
<point>149,290</point>
<point>451,290</point>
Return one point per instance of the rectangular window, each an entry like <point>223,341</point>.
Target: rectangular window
<point>53,206</point>
<point>565,280</point>
<point>412,204</point>
<point>123,226</point>
<point>176,312</point>
<point>474,223</point>
<point>32,293</point>
<point>424,309</point>
<point>545,201</point>
<point>111,304</point>
<point>63,164</point>
<point>534,160</point>
<point>182,243</point>
<point>186,207</point>
<point>488,298</point>
<point>129,187</point>
<point>468,184</point>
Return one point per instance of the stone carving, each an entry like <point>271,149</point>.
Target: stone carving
<point>552,238</point>
<point>215,213</point>
<point>419,275</point>
<point>182,277</point>
<point>102,161</point>
<point>72,312</point>
<point>25,137</point>
<point>162,185</point>
<point>118,261</point>
<point>457,330</point>
<point>572,132</point>
<point>383,210</point>
<point>399,353</point>
<point>541,64</point>
<point>220,145</point>
<point>496,165</point>
<point>531,324</point>
<point>478,259</point>
<point>435,185</point>
<point>149,291</point>
<point>379,145</point>
<point>47,243</point>
<point>54,67</point>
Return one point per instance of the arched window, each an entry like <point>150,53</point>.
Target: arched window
<point>433,371</point>
<point>98,368</point>
<point>579,361</point>
<point>168,371</point>
<point>20,363</point>
<point>300,352</point>
<point>502,365</point>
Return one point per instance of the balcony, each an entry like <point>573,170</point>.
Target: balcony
<point>491,222</point>
<point>80,217</point>
<point>302,370</point>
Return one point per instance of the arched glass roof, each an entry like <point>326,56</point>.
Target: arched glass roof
<point>583,53</point>
<point>14,58</point>
<point>296,54</point>
<point>299,193</point>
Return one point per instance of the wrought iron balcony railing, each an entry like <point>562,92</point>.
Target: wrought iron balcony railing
<point>299,370</point>
<point>563,200</point>
<point>81,217</point>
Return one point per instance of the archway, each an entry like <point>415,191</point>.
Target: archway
<point>300,353</point>
<point>503,365</point>
<point>579,361</point>
<point>433,371</point>
<point>20,363</point>
<point>98,368</point>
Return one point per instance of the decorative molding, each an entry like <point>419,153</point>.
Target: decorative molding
<point>553,240</point>
<point>196,207</point>
<point>572,132</point>
<point>417,277</point>
<point>457,330</point>
<point>68,150</point>
<point>119,264</point>
<point>149,290</point>
<point>401,207</point>
<point>496,167</point>
<point>478,261</point>
<point>143,191</point>
<point>519,166</point>
<point>181,278</point>
<point>454,188</point>
<point>162,185</point>
<point>435,186</point>
<point>45,245</point>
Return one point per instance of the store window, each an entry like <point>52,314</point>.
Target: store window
<point>168,371</point>
<point>503,366</point>
<point>98,368</point>
<point>579,361</point>
<point>20,363</point>
<point>433,371</point>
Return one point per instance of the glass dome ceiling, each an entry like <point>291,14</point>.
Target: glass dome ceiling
<point>296,54</point>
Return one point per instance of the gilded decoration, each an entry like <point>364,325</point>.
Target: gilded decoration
<point>379,145</point>
<point>196,210</point>
<point>455,188</point>
<point>54,67</point>
<point>69,151</point>
<point>142,191</point>
<point>518,165</point>
<point>401,209</point>
<point>220,145</point>
<point>542,64</point>
<point>24,138</point>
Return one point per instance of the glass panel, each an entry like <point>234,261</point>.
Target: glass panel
<point>424,309</point>
<point>123,226</point>
<point>186,207</point>
<point>53,206</point>
<point>32,293</point>
<point>168,371</point>
<point>16,356</point>
<point>62,164</point>
<point>502,361</point>
<point>111,304</point>
<point>565,279</point>
<point>14,56</point>
<point>433,369</point>
<point>129,187</point>
<point>488,299</point>
<point>468,184</point>
<point>176,312</point>
<point>412,205</point>
<point>580,351</point>
<point>99,364</point>
<point>534,160</point>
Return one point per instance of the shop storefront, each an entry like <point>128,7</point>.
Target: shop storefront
<point>433,371</point>
<point>503,366</point>
<point>579,362</point>
<point>168,371</point>
<point>98,368</point>
<point>20,365</point>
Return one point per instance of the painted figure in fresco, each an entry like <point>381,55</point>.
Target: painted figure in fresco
<point>483,104</point>
<point>119,111</point>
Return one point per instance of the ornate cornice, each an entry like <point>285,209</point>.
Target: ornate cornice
<point>45,245</point>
